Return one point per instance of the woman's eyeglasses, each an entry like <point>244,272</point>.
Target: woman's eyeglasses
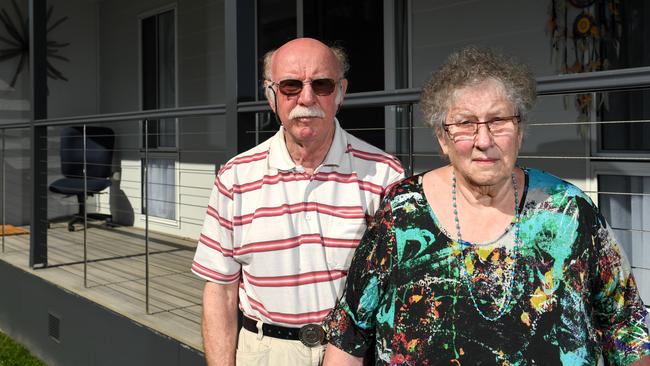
<point>291,87</point>
<point>467,130</point>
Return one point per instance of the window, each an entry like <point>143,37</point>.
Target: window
<point>159,137</point>
<point>159,77</point>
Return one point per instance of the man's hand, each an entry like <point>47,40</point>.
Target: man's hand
<point>220,323</point>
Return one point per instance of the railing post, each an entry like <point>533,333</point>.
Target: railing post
<point>38,225</point>
<point>145,194</point>
<point>4,131</point>
<point>85,198</point>
<point>411,139</point>
<point>38,71</point>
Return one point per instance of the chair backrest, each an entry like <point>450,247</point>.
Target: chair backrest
<point>99,152</point>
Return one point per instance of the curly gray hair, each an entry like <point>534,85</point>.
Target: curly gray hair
<point>471,66</point>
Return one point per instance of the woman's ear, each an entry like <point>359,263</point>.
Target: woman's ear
<point>443,141</point>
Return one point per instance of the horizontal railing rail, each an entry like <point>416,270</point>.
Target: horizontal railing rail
<point>609,80</point>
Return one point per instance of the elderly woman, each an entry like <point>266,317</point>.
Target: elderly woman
<point>483,262</point>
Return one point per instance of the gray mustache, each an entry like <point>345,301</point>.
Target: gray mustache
<point>302,112</point>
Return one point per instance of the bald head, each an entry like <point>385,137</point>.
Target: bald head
<point>300,46</point>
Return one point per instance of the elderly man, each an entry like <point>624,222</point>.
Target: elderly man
<point>285,217</point>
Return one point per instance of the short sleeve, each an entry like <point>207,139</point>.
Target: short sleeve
<point>396,177</point>
<point>619,313</point>
<point>351,323</point>
<point>213,260</point>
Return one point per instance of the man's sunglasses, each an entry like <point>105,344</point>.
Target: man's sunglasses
<point>291,87</point>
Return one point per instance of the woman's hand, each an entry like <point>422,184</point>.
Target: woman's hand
<point>334,356</point>
<point>644,361</point>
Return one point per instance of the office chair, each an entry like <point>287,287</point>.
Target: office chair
<point>99,160</point>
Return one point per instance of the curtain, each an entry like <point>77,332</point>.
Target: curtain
<point>162,188</point>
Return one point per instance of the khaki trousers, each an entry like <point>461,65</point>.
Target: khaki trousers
<point>260,350</point>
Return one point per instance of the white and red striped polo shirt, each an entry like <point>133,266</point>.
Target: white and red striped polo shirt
<point>288,238</point>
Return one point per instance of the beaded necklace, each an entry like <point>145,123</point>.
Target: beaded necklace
<point>466,276</point>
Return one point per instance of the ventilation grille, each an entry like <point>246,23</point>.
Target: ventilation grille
<point>54,327</point>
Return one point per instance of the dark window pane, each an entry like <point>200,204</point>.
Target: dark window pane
<point>276,24</point>
<point>159,77</point>
<point>365,123</point>
<point>634,50</point>
<point>626,136</point>
<point>357,26</point>
<point>166,60</point>
<point>149,63</point>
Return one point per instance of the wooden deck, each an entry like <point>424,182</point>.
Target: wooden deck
<point>116,273</point>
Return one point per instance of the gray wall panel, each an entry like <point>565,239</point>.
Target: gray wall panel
<point>89,334</point>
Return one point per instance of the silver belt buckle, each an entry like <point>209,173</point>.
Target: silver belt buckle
<point>311,335</point>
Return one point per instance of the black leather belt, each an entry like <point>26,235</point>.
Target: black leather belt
<point>310,335</point>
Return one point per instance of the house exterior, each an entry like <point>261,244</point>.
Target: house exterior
<point>179,84</point>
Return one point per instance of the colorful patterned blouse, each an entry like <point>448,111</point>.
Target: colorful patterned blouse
<point>571,299</point>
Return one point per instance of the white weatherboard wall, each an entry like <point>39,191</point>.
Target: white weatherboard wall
<point>17,180</point>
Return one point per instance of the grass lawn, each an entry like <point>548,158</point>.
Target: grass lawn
<point>13,354</point>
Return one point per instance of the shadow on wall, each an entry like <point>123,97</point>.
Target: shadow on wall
<point>121,209</point>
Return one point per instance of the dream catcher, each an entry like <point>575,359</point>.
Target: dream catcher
<point>585,35</point>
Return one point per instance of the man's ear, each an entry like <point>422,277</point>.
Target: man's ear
<point>340,92</point>
<point>342,88</point>
<point>270,95</point>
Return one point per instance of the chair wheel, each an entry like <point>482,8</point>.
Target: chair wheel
<point>70,227</point>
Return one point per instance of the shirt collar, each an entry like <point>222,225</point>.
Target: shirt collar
<point>280,159</point>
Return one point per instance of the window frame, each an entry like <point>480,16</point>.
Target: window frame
<point>159,152</point>
<point>614,167</point>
